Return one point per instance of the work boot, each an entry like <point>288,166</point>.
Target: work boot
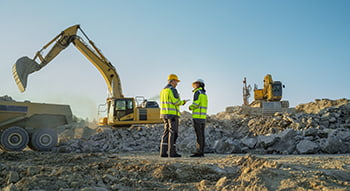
<point>164,155</point>
<point>175,155</point>
<point>197,155</point>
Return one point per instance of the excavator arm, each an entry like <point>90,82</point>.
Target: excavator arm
<point>25,66</point>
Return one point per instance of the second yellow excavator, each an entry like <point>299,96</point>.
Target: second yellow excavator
<point>121,111</point>
<point>266,100</point>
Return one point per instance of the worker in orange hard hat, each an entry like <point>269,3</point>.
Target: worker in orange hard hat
<point>170,112</point>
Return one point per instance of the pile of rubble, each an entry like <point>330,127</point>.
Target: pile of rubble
<point>322,126</point>
<point>6,98</point>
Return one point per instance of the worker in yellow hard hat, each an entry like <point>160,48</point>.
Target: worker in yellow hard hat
<point>199,114</point>
<point>170,112</point>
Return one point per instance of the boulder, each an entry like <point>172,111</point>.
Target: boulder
<point>10,187</point>
<point>307,147</point>
<point>310,132</point>
<point>267,141</point>
<point>330,145</point>
<point>287,134</point>
<point>226,146</point>
<point>250,142</point>
<point>283,146</point>
<point>12,177</point>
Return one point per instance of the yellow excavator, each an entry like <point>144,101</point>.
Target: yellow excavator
<point>121,111</point>
<point>266,100</point>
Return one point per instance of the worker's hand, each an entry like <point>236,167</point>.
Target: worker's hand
<point>190,108</point>
<point>184,102</point>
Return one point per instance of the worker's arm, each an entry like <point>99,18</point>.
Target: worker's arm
<point>175,99</point>
<point>196,101</point>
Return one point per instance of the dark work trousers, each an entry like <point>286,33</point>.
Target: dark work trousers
<point>170,133</point>
<point>199,126</point>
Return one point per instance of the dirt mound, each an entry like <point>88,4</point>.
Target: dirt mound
<point>320,104</point>
<point>75,130</point>
<point>252,173</point>
<point>184,173</point>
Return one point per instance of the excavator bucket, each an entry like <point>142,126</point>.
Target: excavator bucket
<point>21,69</point>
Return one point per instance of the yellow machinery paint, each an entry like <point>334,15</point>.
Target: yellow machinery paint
<point>32,124</point>
<point>266,100</point>
<point>131,113</point>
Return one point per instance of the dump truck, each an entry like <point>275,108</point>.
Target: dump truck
<point>121,111</point>
<point>25,124</point>
<point>267,100</point>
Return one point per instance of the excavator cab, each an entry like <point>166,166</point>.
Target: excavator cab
<point>124,107</point>
<point>123,112</point>
<point>275,91</point>
<point>120,109</point>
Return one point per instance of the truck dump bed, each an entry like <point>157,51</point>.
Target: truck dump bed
<point>34,123</point>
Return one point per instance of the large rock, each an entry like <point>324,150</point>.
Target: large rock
<point>227,146</point>
<point>331,145</point>
<point>344,147</point>
<point>287,134</point>
<point>307,147</point>
<point>310,132</point>
<point>281,146</point>
<point>267,141</point>
<point>250,142</point>
<point>343,134</point>
<point>12,177</point>
<point>10,187</point>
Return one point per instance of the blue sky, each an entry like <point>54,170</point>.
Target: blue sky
<point>304,44</point>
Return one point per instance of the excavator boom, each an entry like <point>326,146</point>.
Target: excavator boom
<point>25,66</point>
<point>121,111</point>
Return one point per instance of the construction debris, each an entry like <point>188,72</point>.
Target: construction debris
<point>322,126</point>
<point>128,159</point>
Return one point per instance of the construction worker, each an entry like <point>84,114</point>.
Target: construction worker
<point>199,115</point>
<point>170,112</point>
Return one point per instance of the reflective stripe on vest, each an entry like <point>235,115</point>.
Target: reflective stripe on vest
<point>200,106</point>
<point>169,105</point>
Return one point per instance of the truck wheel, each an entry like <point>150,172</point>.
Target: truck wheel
<point>14,139</point>
<point>43,140</point>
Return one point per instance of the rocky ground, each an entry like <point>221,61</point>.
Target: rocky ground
<point>305,149</point>
<point>147,171</point>
<point>320,127</point>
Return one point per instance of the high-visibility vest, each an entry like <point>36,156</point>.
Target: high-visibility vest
<point>170,102</point>
<point>200,104</point>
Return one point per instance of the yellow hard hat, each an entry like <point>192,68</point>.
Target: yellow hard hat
<point>173,77</point>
